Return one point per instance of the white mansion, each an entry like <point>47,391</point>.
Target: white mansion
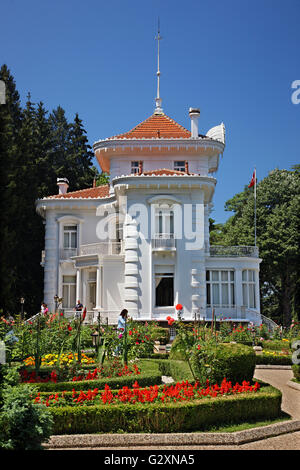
<point>142,241</point>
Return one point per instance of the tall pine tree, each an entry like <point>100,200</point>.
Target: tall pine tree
<point>35,150</point>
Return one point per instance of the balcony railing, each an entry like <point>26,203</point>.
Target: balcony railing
<point>67,253</point>
<point>233,251</point>
<point>163,241</point>
<point>104,248</point>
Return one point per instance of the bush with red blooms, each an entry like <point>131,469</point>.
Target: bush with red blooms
<point>114,370</point>
<point>109,370</point>
<point>180,392</point>
<point>31,377</point>
<point>140,339</point>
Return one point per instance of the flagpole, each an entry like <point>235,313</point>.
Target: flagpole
<point>255,206</point>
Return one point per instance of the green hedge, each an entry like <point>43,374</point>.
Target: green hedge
<point>156,356</point>
<point>296,370</point>
<point>173,417</point>
<point>161,334</point>
<point>275,344</point>
<point>234,361</point>
<point>263,359</point>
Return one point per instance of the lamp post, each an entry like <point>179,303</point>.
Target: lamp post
<point>22,301</point>
<point>95,339</point>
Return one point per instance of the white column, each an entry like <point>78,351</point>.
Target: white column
<point>238,290</point>
<point>257,293</point>
<point>98,287</point>
<point>51,261</point>
<point>78,284</point>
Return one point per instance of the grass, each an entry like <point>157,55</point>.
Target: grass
<point>249,424</point>
<point>227,427</point>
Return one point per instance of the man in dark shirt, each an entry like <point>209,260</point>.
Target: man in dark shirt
<point>78,309</point>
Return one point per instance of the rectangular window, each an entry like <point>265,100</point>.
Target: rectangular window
<point>249,297</point>
<point>179,165</point>
<point>134,167</point>
<point>220,288</point>
<point>164,223</point>
<point>164,289</point>
<point>70,237</point>
<point>69,291</point>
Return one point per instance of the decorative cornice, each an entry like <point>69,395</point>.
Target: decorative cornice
<point>158,142</point>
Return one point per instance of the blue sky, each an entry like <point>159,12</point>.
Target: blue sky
<point>234,59</point>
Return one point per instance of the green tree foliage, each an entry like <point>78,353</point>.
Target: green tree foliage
<point>35,149</point>
<point>278,237</point>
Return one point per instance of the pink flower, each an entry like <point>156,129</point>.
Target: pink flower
<point>120,336</point>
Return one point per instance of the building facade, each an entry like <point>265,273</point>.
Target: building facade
<point>141,242</point>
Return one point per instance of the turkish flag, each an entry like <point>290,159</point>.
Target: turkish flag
<point>84,314</point>
<point>252,182</point>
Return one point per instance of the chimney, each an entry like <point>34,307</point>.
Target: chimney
<point>94,182</point>
<point>140,167</point>
<point>194,115</point>
<point>63,185</point>
<point>186,164</point>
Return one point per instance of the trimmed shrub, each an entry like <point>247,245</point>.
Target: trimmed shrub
<point>265,359</point>
<point>236,362</point>
<point>172,417</point>
<point>276,344</point>
<point>296,370</point>
<point>161,334</point>
<point>156,356</point>
<point>115,383</point>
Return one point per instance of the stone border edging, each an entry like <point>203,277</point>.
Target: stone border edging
<point>77,441</point>
<point>294,385</point>
<point>272,366</point>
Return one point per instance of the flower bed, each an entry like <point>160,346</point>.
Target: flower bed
<point>183,391</point>
<point>65,359</point>
<point>96,374</point>
<point>190,414</point>
<point>147,371</point>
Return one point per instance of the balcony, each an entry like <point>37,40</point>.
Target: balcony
<point>67,253</point>
<point>101,249</point>
<point>233,251</point>
<point>163,242</point>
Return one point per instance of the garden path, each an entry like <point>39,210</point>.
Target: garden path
<point>279,378</point>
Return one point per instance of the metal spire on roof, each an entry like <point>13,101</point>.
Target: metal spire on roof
<point>158,101</point>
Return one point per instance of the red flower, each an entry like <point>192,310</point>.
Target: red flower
<point>170,321</point>
<point>70,328</point>
<point>130,332</point>
<point>179,307</point>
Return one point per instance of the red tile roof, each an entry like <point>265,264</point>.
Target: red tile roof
<point>156,126</point>
<point>97,192</point>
